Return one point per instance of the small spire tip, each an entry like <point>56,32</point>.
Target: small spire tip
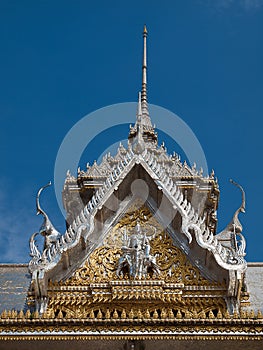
<point>145,30</point>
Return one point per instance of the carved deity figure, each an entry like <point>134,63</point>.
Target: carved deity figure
<point>136,255</point>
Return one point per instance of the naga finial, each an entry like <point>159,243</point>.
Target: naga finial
<point>47,229</point>
<point>39,209</point>
<point>243,205</point>
<point>235,225</point>
<point>231,235</point>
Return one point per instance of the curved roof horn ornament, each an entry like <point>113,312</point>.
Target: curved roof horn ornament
<point>235,225</point>
<point>231,236</point>
<point>46,229</point>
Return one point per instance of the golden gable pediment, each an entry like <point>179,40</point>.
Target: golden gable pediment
<point>96,290</point>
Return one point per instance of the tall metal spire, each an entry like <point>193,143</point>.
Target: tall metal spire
<point>144,74</point>
<point>138,145</point>
<point>142,134</point>
<point>139,110</point>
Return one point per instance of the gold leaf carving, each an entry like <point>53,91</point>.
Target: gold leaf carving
<point>172,262</point>
<point>96,292</point>
<point>100,267</point>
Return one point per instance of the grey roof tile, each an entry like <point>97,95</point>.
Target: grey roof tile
<point>14,283</point>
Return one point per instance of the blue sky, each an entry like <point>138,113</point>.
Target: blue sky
<point>60,60</point>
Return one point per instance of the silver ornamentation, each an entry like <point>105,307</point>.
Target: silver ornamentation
<point>136,257</point>
<point>34,252</point>
<point>232,235</point>
<point>47,229</point>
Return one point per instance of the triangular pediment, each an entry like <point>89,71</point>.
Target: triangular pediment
<point>138,198</point>
<point>102,263</point>
<point>137,177</point>
<point>174,285</point>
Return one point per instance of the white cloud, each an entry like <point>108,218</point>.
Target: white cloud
<point>17,223</point>
<point>18,220</point>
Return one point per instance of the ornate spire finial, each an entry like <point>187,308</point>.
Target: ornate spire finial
<point>138,143</point>
<point>139,110</point>
<point>144,74</point>
<point>143,129</point>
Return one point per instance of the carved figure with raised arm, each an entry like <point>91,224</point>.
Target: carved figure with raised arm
<point>136,257</point>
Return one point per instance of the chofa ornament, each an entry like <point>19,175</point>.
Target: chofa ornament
<point>47,230</point>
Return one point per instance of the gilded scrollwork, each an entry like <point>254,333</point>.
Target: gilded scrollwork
<point>100,267</point>
<point>173,264</point>
<point>138,212</point>
<point>177,291</point>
